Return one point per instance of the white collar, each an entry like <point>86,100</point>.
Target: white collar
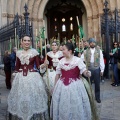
<point>92,49</point>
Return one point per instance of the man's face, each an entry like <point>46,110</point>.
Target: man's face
<point>92,44</point>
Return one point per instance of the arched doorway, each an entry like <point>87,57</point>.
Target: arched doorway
<point>61,18</point>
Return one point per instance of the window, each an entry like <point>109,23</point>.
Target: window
<point>71,18</point>
<point>71,27</point>
<point>55,19</point>
<point>55,28</point>
<point>63,28</point>
<point>63,19</point>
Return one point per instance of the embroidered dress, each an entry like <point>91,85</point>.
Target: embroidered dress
<point>70,100</point>
<point>53,59</point>
<point>27,99</point>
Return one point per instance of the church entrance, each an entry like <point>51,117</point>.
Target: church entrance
<point>61,20</point>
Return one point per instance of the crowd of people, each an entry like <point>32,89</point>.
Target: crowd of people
<point>55,83</point>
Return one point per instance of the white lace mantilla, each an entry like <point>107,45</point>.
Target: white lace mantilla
<point>24,58</point>
<point>75,61</point>
<point>55,57</point>
<point>58,54</point>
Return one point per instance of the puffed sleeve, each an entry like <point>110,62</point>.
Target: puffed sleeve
<point>81,66</point>
<point>58,68</point>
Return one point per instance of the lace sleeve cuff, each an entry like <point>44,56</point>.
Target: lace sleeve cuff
<point>42,70</point>
<point>58,72</point>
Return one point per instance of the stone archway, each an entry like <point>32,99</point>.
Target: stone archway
<point>61,19</point>
<point>37,7</point>
<point>94,8</point>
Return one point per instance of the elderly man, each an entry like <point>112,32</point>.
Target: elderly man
<point>93,58</point>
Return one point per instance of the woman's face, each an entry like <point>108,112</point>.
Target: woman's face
<point>65,51</point>
<point>54,47</point>
<point>61,48</point>
<point>115,45</point>
<point>26,43</point>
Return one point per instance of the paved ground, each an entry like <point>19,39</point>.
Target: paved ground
<point>109,109</point>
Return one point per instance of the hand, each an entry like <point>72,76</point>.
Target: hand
<point>46,62</point>
<point>41,56</point>
<point>101,73</point>
<point>42,66</point>
<point>88,74</point>
<point>111,54</point>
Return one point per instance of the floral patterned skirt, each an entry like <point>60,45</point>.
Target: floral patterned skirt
<point>49,79</point>
<point>28,98</point>
<point>43,116</point>
<point>70,102</point>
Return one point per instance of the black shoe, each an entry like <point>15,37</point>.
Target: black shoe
<point>113,84</point>
<point>98,100</point>
<point>9,88</point>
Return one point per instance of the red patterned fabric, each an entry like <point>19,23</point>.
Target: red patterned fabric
<point>50,66</point>
<point>70,75</point>
<point>25,67</point>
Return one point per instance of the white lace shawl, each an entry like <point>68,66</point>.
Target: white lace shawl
<point>74,62</point>
<point>57,55</point>
<point>24,58</point>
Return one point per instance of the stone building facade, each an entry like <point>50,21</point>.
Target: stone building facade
<point>92,9</point>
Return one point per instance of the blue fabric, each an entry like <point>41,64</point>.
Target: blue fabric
<point>13,60</point>
<point>35,68</point>
<point>115,71</point>
<point>92,40</point>
<point>95,76</point>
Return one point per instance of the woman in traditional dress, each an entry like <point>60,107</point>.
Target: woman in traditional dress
<point>70,100</point>
<point>27,99</point>
<point>52,60</point>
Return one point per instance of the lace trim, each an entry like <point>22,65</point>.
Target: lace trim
<point>24,58</point>
<point>71,65</point>
<point>58,54</point>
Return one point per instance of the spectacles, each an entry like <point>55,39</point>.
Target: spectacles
<point>115,44</point>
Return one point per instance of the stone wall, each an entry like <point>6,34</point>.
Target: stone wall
<point>94,8</point>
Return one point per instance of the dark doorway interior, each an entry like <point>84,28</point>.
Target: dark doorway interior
<point>61,21</point>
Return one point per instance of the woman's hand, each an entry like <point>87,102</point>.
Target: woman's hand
<point>111,54</point>
<point>87,73</point>
<point>46,62</point>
